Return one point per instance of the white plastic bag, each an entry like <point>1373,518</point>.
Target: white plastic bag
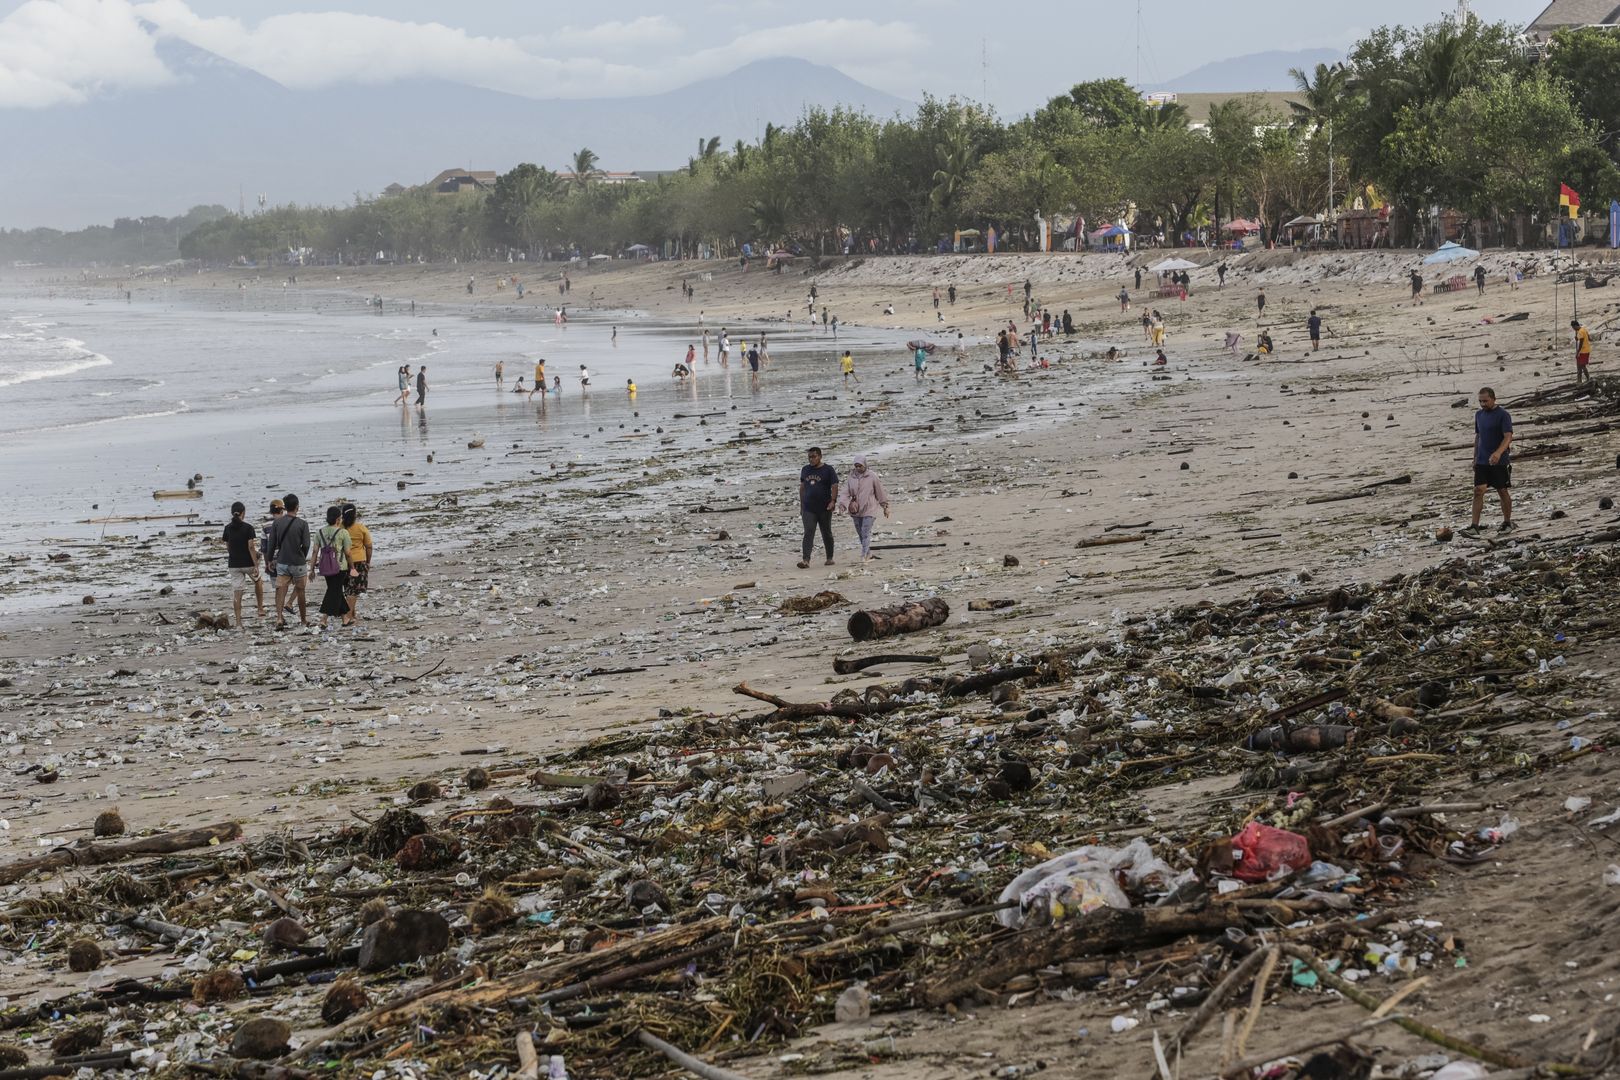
<point>1081,881</point>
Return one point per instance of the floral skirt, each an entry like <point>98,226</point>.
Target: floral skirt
<point>355,583</point>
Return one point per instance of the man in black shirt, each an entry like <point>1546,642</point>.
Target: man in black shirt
<point>242,561</point>
<point>818,494</point>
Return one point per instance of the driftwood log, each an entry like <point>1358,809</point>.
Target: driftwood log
<point>804,710</point>
<point>1103,931</point>
<point>899,619</point>
<point>101,854</point>
<point>849,665</point>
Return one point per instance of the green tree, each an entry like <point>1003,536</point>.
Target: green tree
<point>584,167</point>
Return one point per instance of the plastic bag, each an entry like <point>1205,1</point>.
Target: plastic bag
<point>1081,881</point>
<point>1260,852</point>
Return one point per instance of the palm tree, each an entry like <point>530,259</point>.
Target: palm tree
<point>1170,114</point>
<point>584,167</point>
<point>955,156</point>
<point>739,156</point>
<point>709,147</point>
<point>771,214</point>
<point>1323,99</point>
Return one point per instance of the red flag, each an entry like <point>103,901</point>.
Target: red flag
<point>1569,199</point>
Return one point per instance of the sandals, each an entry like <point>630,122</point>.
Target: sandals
<point>803,565</point>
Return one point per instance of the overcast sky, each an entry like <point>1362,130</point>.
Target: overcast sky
<point>64,51</point>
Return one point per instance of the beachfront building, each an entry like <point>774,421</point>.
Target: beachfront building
<point>609,178</point>
<point>1572,15</point>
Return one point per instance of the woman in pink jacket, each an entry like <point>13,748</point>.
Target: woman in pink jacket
<point>861,497</point>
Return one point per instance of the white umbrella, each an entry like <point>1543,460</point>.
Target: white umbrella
<point>1173,264</point>
<point>1450,252</point>
<point>596,258</point>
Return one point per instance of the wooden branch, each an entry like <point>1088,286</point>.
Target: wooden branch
<point>1213,1004</point>
<point>685,1060</point>
<point>1110,541</point>
<point>987,679</point>
<point>1106,930</point>
<point>1423,1031</point>
<point>803,710</point>
<point>102,854</point>
<point>848,665</point>
<point>898,619</point>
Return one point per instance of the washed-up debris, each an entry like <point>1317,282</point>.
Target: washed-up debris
<point>899,619</point>
<point>933,838</point>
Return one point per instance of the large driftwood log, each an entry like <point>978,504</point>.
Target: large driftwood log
<point>804,710</point>
<point>1107,930</point>
<point>899,619</point>
<point>101,854</point>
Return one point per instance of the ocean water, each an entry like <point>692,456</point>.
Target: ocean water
<point>103,402</point>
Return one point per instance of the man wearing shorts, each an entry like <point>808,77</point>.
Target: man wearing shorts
<point>1583,350</point>
<point>242,561</point>
<point>289,550</point>
<point>1314,325</point>
<point>1493,467</point>
<point>276,511</point>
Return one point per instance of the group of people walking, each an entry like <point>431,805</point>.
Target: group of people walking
<point>339,551</point>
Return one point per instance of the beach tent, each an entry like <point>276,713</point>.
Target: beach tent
<point>639,249</point>
<point>1241,226</point>
<point>1449,252</point>
<point>1172,264</point>
<point>1302,221</point>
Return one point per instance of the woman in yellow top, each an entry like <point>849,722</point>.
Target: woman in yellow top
<point>359,563</point>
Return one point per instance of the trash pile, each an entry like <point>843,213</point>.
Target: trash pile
<point>1002,831</point>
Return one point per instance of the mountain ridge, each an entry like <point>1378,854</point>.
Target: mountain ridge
<point>221,131</point>
<point>1261,71</point>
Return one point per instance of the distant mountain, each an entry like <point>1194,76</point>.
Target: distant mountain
<point>221,128</point>
<point>1257,71</point>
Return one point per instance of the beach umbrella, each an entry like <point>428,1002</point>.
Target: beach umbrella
<point>1172,264</point>
<point>638,248</point>
<point>595,258</point>
<point>1241,225</point>
<point>1449,252</point>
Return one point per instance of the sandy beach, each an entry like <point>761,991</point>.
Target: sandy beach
<point>632,576</point>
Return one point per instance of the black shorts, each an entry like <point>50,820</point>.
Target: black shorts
<point>1493,476</point>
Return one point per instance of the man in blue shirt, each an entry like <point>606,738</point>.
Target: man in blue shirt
<point>818,494</point>
<point>1493,466</point>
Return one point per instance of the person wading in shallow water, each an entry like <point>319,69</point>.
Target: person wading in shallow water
<point>818,495</point>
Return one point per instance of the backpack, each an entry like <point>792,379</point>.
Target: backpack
<point>326,563</point>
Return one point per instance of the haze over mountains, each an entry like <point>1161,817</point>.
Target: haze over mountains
<point>221,131</point>
<point>1255,72</point>
<point>221,127</point>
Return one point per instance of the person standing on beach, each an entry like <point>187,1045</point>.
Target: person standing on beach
<point>360,555</point>
<point>1417,286</point>
<point>404,397</point>
<point>1260,303</point>
<point>584,378</point>
<point>1220,274</point>
<point>919,365</point>
<point>725,347</point>
<point>500,377</point>
<point>1138,279</point>
<point>1493,452</point>
<point>242,560</point>
<point>863,496</point>
<point>289,548</point>
<point>1314,326</point>
<point>1479,279</point>
<point>1583,351</point>
<point>950,294</point>
<point>421,388</point>
<point>936,297</point>
<point>330,559</point>
<point>846,363</point>
<point>818,495</point>
<point>539,386</point>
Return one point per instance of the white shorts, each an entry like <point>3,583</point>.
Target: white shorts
<point>243,578</point>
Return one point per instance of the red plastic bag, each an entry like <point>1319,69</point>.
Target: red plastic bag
<point>1260,853</point>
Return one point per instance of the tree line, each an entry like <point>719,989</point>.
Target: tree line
<point>1461,115</point>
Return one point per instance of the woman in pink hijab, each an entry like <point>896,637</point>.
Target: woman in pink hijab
<point>862,496</point>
